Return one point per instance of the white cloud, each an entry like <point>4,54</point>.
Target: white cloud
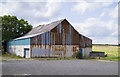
<point>34,12</point>
<point>111,12</point>
<point>84,5</point>
<point>96,28</point>
<point>44,12</point>
<point>7,8</point>
<point>50,9</point>
<point>114,13</point>
<point>102,14</point>
<point>105,40</point>
<point>58,0</point>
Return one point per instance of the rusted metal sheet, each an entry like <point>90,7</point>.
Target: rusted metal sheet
<point>63,40</point>
<point>54,51</point>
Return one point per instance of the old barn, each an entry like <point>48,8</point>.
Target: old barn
<point>56,39</point>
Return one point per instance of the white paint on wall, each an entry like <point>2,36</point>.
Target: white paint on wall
<point>18,49</point>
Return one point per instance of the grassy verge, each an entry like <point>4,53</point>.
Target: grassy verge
<point>70,58</point>
<point>111,58</point>
<point>111,51</point>
<point>11,56</point>
<point>2,60</point>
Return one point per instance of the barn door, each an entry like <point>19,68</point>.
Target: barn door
<point>26,53</point>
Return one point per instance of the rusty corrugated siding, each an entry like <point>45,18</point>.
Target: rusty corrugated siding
<point>59,41</point>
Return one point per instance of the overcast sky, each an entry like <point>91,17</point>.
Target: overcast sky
<point>96,19</point>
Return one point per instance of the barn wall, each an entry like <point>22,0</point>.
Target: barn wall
<point>63,34</point>
<point>54,50</point>
<point>86,51</point>
<point>17,46</point>
<point>63,40</point>
<point>18,49</point>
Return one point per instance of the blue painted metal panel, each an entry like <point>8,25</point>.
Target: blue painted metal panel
<point>80,50</point>
<point>66,39</point>
<point>70,34</point>
<point>10,43</point>
<point>83,43</point>
<point>36,40</point>
<point>51,38</point>
<point>19,42</point>
<point>69,39</point>
<point>60,27</point>
<point>81,37</point>
<point>47,38</point>
<point>60,30</point>
<point>44,38</point>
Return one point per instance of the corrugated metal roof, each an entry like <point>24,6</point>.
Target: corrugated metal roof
<point>44,28</point>
<point>41,29</point>
<point>27,36</point>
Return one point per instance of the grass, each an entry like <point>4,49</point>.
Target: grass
<point>70,58</point>
<point>111,51</point>
<point>11,56</point>
<point>2,60</point>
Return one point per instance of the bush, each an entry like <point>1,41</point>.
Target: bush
<point>106,55</point>
<point>79,55</point>
<point>3,52</point>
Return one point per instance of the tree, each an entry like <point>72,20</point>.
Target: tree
<point>40,25</point>
<point>13,28</point>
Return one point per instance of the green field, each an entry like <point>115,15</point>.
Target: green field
<point>111,51</point>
